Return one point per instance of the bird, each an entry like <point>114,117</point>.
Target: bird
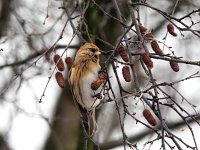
<point>83,72</point>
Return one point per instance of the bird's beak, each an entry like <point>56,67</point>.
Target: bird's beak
<point>97,53</point>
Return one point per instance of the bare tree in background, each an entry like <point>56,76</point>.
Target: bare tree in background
<point>148,53</point>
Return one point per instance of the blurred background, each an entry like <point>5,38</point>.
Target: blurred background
<point>28,32</point>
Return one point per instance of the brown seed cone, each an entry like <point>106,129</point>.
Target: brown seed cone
<point>170,29</point>
<point>147,60</point>
<point>174,65</point>
<point>149,35</point>
<point>156,48</point>
<point>123,53</point>
<point>59,63</point>
<point>96,84</point>
<point>126,73</point>
<point>69,62</point>
<point>60,79</point>
<point>103,76</point>
<point>149,117</point>
<point>143,29</point>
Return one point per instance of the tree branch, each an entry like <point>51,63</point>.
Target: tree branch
<point>137,137</point>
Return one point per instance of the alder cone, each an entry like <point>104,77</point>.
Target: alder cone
<point>149,117</point>
<point>96,84</point>
<point>60,79</point>
<point>69,62</point>
<point>170,29</point>
<point>126,73</point>
<point>156,48</point>
<point>103,75</point>
<point>59,63</point>
<point>123,53</point>
<point>149,35</point>
<point>143,29</point>
<point>147,60</point>
<point>174,65</point>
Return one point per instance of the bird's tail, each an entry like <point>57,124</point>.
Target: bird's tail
<point>90,123</point>
<point>88,119</point>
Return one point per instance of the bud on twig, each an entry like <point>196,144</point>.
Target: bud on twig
<point>147,60</point>
<point>60,79</point>
<point>156,48</point>
<point>59,63</point>
<point>149,117</point>
<point>126,73</point>
<point>174,65</point>
<point>123,53</point>
<point>69,62</point>
<point>96,84</point>
<point>170,29</point>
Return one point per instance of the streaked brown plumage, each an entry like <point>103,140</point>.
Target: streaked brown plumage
<point>83,72</point>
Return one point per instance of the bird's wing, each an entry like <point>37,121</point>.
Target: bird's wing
<point>86,116</point>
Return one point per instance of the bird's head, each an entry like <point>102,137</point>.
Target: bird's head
<point>88,51</point>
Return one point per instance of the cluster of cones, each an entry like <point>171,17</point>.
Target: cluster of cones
<point>61,67</point>
<point>155,47</point>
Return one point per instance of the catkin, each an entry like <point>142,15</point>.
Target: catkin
<point>149,36</point>
<point>103,75</point>
<point>123,53</point>
<point>149,117</point>
<point>143,29</point>
<point>156,48</point>
<point>147,60</point>
<point>174,65</point>
<point>69,62</point>
<point>60,79</point>
<point>96,84</point>
<point>170,29</point>
<point>126,73</point>
<point>59,63</point>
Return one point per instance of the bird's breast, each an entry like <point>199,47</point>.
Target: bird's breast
<point>88,94</point>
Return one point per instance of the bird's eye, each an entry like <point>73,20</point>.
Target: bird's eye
<point>93,49</point>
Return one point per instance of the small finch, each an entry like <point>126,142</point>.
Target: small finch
<point>82,74</point>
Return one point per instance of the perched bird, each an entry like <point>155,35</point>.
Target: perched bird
<point>83,72</point>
